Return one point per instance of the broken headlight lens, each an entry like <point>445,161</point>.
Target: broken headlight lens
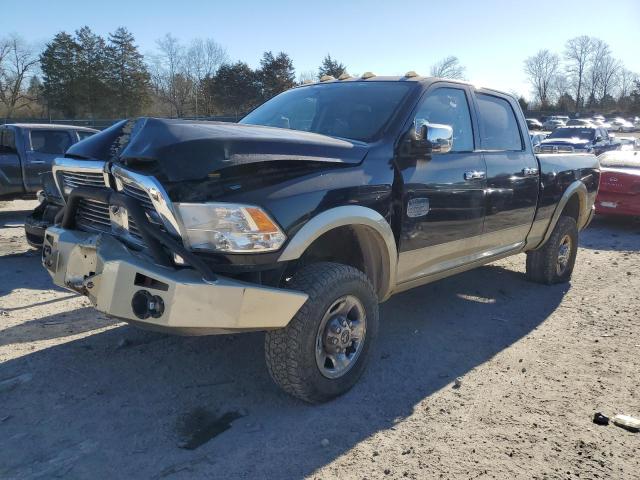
<point>226,227</point>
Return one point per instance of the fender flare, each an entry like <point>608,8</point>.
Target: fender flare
<point>350,215</point>
<point>576,188</point>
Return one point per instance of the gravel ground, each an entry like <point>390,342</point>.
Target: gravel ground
<point>84,396</point>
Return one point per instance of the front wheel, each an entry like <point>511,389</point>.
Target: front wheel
<point>554,262</point>
<point>324,350</point>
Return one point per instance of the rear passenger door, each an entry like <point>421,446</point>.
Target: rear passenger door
<point>512,173</point>
<point>43,146</point>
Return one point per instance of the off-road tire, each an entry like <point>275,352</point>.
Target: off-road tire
<point>541,263</point>
<point>290,351</point>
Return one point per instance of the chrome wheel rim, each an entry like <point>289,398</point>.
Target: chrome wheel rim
<point>341,336</point>
<point>564,254</point>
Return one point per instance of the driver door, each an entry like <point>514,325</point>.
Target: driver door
<point>443,194</point>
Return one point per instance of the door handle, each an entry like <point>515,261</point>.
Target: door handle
<point>37,162</point>
<point>474,175</point>
<point>529,172</point>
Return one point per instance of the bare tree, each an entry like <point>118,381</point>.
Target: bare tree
<point>168,73</point>
<point>17,59</point>
<point>599,52</point>
<point>541,69</point>
<point>448,67</point>
<point>560,87</point>
<point>610,69</point>
<point>627,80</point>
<point>307,77</point>
<point>577,53</point>
<point>203,58</point>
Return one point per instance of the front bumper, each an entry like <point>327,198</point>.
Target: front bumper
<point>115,278</point>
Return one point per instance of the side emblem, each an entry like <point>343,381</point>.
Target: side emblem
<point>417,207</point>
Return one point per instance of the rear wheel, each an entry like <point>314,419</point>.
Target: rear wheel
<point>554,262</point>
<point>324,350</point>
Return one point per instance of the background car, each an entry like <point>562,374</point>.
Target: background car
<point>619,192</point>
<point>552,124</point>
<point>26,152</point>
<point>579,139</point>
<point>628,143</point>
<point>601,123</point>
<point>534,124</point>
<point>537,137</point>
<point>622,125</point>
<point>579,122</point>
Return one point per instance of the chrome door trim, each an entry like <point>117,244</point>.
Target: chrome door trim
<point>459,265</point>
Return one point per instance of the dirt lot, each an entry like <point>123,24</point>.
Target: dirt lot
<point>83,396</point>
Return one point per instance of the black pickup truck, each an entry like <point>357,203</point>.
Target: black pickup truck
<point>318,205</point>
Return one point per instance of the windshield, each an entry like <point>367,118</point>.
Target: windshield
<point>581,133</point>
<point>354,110</point>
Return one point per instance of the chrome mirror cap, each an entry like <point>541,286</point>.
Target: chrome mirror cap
<point>438,138</point>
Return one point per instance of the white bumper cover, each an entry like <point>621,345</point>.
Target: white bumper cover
<point>110,274</point>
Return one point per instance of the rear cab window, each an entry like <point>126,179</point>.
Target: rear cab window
<point>498,124</point>
<point>50,141</point>
<point>82,134</point>
<point>7,141</point>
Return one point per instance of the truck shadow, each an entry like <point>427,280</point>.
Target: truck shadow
<point>115,402</point>
<point>612,233</point>
<point>13,218</point>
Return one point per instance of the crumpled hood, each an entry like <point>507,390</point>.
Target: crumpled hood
<point>188,150</point>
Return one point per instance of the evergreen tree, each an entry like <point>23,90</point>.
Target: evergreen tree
<point>276,74</point>
<point>58,62</point>
<point>128,78</point>
<point>235,89</point>
<point>331,67</point>
<point>92,66</point>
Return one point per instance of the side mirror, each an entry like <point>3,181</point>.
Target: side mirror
<point>598,139</point>
<point>434,138</point>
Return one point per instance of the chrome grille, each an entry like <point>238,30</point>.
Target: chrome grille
<point>139,194</point>
<point>71,180</point>
<point>93,215</point>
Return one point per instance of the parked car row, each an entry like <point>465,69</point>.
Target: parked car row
<point>580,139</point>
<point>616,124</point>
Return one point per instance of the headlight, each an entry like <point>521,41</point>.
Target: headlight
<point>226,227</point>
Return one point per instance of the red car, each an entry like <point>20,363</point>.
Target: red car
<point>619,192</point>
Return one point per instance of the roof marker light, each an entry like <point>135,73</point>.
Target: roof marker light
<point>411,74</point>
<point>327,78</point>
<point>366,75</point>
<point>344,76</point>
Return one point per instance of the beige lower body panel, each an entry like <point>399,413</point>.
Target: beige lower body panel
<point>105,270</point>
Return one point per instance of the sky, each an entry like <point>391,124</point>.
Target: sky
<point>490,37</point>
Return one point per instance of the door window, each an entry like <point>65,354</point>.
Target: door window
<point>498,125</point>
<point>448,106</point>
<point>50,141</point>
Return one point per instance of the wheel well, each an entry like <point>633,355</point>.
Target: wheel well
<point>358,246</point>
<point>572,208</point>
